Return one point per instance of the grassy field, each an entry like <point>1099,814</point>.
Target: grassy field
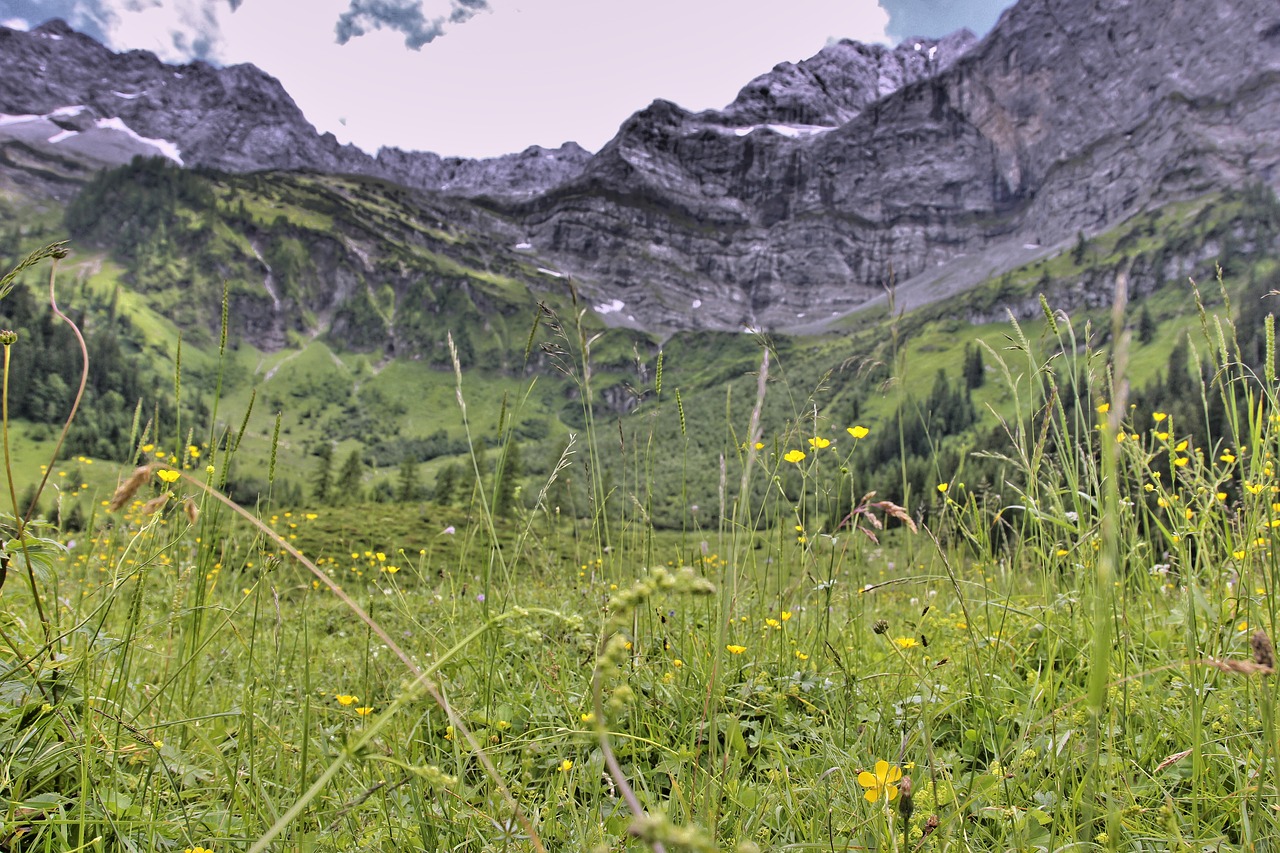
<point>1077,656</point>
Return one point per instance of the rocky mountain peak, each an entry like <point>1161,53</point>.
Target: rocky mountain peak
<point>835,85</point>
<point>236,118</point>
<point>933,167</point>
<point>57,27</point>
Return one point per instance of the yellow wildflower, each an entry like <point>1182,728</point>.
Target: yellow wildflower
<point>881,782</point>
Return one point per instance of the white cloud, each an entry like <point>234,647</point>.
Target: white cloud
<point>530,72</point>
<point>175,30</point>
<point>16,24</point>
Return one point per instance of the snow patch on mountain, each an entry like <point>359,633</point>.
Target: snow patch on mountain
<point>164,146</point>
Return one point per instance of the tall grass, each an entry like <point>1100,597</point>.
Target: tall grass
<point>1080,658</point>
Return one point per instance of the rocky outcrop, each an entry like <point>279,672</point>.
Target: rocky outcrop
<point>1065,118</point>
<point>524,174</point>
<point>838,83</point>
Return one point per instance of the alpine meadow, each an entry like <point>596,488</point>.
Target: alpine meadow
<point>888,461</point>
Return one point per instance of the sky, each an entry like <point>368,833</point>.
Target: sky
<point>479,78</point>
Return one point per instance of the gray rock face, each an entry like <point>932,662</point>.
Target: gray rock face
<point>1067,117</point>
<point>236,119</point>
<point>832,87</point>
<point>524,174</point>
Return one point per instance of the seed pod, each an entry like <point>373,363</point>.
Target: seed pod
<point>1263,652</point>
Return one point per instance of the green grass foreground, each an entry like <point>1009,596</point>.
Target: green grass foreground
<point>1076,656</point>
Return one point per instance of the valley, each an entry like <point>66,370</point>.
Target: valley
<point>883,461</point>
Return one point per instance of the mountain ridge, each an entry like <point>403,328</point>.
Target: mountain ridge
<point>1050,126</point>
<point>235,119</point>
<point>930,166</point>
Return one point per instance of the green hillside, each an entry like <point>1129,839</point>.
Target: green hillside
<point>340,295</point>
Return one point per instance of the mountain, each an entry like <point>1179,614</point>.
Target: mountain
<point>1067,118</point>
<point>932,166</point>
<point>72,105</point>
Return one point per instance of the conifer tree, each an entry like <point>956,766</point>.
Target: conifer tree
<point>408,486</point>
<point>323,478</point>
<point>348,484</point>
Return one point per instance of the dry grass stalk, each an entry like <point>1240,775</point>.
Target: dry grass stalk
<point>130,487</point>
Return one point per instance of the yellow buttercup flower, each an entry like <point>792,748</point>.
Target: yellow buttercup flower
<point>168,475</point>
<point>794,456</point>
<point>858,431</point>
<point>735,650</point>
<point>882,782</point>
<point>818,442</point>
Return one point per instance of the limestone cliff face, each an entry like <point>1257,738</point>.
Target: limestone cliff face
<point>1067,117</point>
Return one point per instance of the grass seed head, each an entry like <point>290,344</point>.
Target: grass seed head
<point>152,506</point>
<point>129,487</point>
<point>1264,654</point>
